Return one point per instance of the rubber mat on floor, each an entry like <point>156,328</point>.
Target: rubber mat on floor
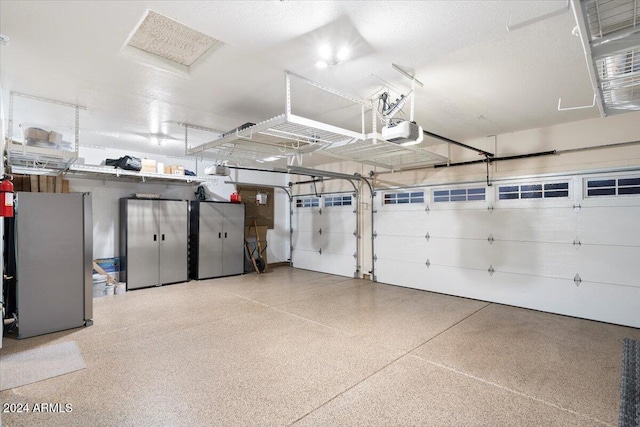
<point>630,385</point>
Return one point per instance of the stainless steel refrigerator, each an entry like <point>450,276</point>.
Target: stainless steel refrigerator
<point>153,242</point>
<point>53,244</point>
<point>217,239</point>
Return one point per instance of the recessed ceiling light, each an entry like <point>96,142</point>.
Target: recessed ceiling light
<point>343,54</point>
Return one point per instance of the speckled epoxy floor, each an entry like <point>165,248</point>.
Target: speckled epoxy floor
<point>306,348</point>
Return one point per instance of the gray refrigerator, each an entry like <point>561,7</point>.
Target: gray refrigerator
<point>153,242</point>
<point>53,244</point>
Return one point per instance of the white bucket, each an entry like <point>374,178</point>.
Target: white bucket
<point>121,288</point>
<point>109,289</point>
<point>99,289</point>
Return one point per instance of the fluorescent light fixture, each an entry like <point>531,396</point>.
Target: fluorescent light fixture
<point>271,159</point>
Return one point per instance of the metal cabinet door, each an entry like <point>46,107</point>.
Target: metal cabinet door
<point>210,237</point>
<point>173,237</point>
<point>142,244</point>
<point>233,249</point>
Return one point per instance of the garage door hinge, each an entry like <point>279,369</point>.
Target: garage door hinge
<point>577,279</point>
<point>355,233</point>
<point>355,255</point>
<point>490,209</point>
<point>576,207</point>
<point>427,236</point>
<point>375,234</point>
<point>320,251</point>
<point>320,231</point>
<point>375,211</point>
<point>355,211</point>
<point>426,209</point>
<point>491,270</point>
<point>428,263</point>
<point>291,230</point>
<point>375,257</point>
<point>577,242</point>
<point>490,239</point>
<point>320,211</point>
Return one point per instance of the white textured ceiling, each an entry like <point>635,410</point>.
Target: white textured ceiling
<point>479,79</point>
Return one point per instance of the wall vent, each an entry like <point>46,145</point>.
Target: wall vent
<point>169,39</point>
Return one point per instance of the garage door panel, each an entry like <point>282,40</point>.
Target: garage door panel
<point>471,223</point>
<point>340,243</point>
<point>401,273</point>
<point>536,259</point>
<point>506,224</point>
<point>307,221</point>
<point>401,222</point>
<point>602,225</point>
<point>610,304</point>
<point>338,216</point>
<point>339,265</point>
<point>609,264</point>
<point>305,259</point>
<point>401,248</point>
<point>308,241</point>
<point>465,253</point>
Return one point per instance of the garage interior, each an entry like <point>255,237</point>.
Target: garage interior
<point>320,213</point>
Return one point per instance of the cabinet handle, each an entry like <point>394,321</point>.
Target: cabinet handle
<point>163,237</point>
<point>155,237</point>
<point>225,234</point>
<point>219,235</point>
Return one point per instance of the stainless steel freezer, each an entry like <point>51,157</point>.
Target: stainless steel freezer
<point>153,242</point>
<point>217,239</point>
<point>54,246</point>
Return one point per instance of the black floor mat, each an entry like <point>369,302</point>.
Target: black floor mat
<point>630,385</point>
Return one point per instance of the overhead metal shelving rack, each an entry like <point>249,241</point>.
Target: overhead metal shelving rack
<point>376,151</point>
<point>284,135</point>
<point>288,135</point>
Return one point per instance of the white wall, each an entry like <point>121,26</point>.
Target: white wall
<point>106,195</point>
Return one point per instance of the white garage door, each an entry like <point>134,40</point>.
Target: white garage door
<point>566,245</point>
<point>323,234</point>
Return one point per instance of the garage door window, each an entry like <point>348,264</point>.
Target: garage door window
<point>613,186</point>
<point>534,191</point>
<point>337,201</point>
<point>404,197</point>
<point>459,195</point>
<point>309,202</point>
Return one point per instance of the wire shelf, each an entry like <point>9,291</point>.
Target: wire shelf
<point>376,151</point>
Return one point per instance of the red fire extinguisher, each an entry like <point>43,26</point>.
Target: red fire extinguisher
<point>6,193</point>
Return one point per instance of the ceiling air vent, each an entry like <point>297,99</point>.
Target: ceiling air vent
<point>171,40</point>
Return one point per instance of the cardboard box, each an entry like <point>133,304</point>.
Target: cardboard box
<point>59,184</point>
<point>167,170</point>
<point>43,185</point>
<point>148,165</point>
<point>36,133</point>
<point>51,184</point>
<point>177,170</point>
<point>65,185</point>
<point>35,187</point>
